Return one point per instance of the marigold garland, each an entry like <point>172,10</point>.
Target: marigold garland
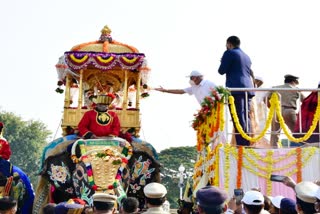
<point>311,152</point>
<point>258,157</point>
<point>274,107</point>
<point>269,170</point>
<point>210,118</point>
<point>299,165</point>
<point>285,129</point>
<point>197,172</point>
<point>210,168</point>
<point>226,167</point>
<point>248,159</point>
<point>216,164</point>
<point>222,120</point>
<point>209,121</point>
<point>253,166</point>
<point>239,166</point>
<point>239,127</point>
<point>266,160</point>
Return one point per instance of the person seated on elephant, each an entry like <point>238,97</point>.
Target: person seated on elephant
<point>100,121</point>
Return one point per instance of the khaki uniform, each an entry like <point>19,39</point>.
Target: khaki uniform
<point>288,110</point>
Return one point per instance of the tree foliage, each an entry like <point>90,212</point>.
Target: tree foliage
<point>171,159</point>
<point>27,139</point>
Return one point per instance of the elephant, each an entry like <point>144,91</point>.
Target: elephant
<point>65,174</point>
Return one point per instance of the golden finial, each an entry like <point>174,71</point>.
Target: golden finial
<point>105,34</point>
<point>105,30</point>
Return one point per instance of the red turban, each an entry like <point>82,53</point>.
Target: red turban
<point>5,151</point>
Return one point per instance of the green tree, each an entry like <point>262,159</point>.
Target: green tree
<point>171,159</point>
<point>27,139</point>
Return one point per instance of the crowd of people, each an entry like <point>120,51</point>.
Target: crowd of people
<point>208,200</point>
<point>214,200</point>
<point>105,203</point>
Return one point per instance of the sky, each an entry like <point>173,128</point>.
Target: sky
<point>177,36</point>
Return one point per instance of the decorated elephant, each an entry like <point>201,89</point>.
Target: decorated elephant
<point>77,168</point>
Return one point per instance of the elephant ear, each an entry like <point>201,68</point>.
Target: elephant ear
<point>144,169</point>
<point>57,170</point>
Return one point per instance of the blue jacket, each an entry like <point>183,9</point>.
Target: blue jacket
<point>236,65</point>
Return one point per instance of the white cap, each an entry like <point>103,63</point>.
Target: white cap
<point>155,190</point>
<point>306,191</point>
<point>258,78</point>
<point>195,73</point>
<point>253,197</point>
<point>276,201</point>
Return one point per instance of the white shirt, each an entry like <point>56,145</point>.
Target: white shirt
<point>201,91</point>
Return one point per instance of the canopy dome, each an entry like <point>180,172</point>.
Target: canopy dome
<point>105,44</point>
<point>104,54</point>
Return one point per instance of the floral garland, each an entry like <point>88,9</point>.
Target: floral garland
<point>197,172</point>
<point>269,170</point>
<point>274,107</point>
<point>239,127</point>
<point>216,164</point>
<point>299,165</point>
<point>311,129</point>
<point>226,167</point>
<point>239,166</point>
<point>218,95</point>
<point>214,121</point>
<point>210,164</point>
<point>265,172</point>
<point>222,120</point>
<point>268,160</point>
<point>210,118</point>
<point>283,157</point>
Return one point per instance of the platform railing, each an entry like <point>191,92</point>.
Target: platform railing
<point>229,128</point>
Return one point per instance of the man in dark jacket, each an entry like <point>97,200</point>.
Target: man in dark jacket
<point>237,66</point>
